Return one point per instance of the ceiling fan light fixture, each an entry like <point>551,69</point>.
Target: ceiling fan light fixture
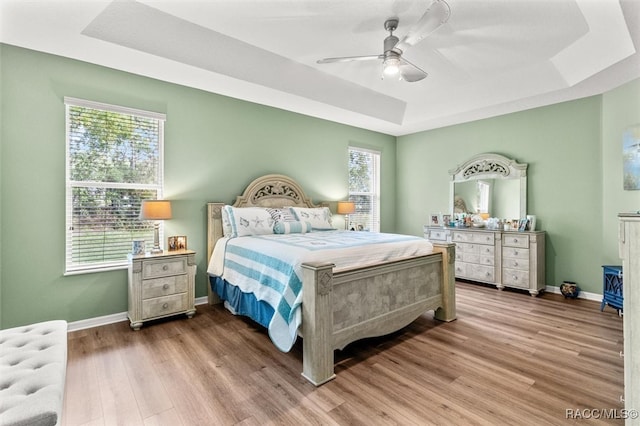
<point>391,66</point>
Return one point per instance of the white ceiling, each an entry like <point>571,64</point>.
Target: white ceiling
<point>492,57</point>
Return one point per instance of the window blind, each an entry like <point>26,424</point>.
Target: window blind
<point>364,188</point>
<point>114,161</point>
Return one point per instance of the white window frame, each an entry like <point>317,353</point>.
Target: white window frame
<point>484,195</point>
<point>70,267</point>
<point>374,224</point>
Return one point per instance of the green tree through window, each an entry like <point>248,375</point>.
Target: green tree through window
<point>364,188</point>
<point>114,161</point>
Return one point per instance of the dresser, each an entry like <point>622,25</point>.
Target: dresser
<point>161,285</point>
<point>629,247</point>
<point>502,258</point>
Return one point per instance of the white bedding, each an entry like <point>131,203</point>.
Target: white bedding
<point>269,266</point>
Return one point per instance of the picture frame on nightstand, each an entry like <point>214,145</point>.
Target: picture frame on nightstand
<point>177,242</point>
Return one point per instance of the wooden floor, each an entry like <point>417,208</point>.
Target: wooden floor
<point>509,358</point>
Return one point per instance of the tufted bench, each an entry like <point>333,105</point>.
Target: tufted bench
<point>33,363</point>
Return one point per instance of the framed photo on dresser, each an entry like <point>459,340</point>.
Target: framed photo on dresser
<point>436,219</point>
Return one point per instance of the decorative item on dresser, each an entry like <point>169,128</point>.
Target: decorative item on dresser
<point>161,285</point>
<point>629,248</point>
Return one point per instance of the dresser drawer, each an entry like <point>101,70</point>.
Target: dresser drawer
<point>167,305</point>
<point>468,248</point>
<point>437,234</point>
<point>461,269</point>
<point>164,286</point>
<point>515,278</point>
<point>515,263</point>
<point>461,237</point>
<point>515,240</point>
<point>163,268</point>
<point>486,238</point>
<point>481,273</point>
<point>515,253</point>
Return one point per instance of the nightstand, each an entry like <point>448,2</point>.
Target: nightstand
<point>161,285</point>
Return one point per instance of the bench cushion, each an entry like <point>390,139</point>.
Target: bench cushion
<point>33,362</point>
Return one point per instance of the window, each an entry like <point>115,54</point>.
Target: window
<point>114,161</point>
<point>483,196</point>
<point>364,189</point>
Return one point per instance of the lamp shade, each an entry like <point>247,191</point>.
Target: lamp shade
<point>155,210</point>
<point>346,207</point>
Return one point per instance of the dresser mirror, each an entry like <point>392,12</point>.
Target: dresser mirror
<point>491,184</point>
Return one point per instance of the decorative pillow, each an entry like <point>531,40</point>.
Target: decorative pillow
<point>319,217</point>
<point>249,221</point>
<point>294,227</point>
<point>226,224</point>
<point>282,215</point>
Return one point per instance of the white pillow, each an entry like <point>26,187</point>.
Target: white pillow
<point>318,217</point>
<point>226,224</point>
<point>249,221</point>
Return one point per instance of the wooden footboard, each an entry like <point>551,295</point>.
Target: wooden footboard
<point>340,308</point>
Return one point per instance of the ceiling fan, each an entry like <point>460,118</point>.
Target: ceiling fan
<point>392,61</point>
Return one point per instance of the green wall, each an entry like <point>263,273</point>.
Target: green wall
<point>620,109</point>
<point>574,152</point>
<point>214,146</point>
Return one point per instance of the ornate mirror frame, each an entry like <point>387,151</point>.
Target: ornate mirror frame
<point>490,166</point>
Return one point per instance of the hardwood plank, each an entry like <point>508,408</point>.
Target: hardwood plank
<point>509,358</point>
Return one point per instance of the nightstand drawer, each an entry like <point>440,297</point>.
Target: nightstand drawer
<point>163,268</point>
<point>164,286</point>
<point>167,305</point>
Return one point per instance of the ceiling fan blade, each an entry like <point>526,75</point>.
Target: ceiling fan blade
<point>436,15</point>
<point>349,58</point>
<point>410,72</point>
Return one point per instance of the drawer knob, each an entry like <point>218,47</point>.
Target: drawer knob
<point>165,287</point>
<point>515,278</point>
<point>515,263</point>
<point>515,253</point>
<point>165,306</point>
<point>165,267</point>
<point>515,240</point>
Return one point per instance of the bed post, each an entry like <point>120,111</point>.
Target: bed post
<point>448,310</point>
<point>317,323</point>
<point>214,233</point>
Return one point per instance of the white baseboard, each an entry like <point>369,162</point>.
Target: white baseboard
<point>582,295</point>
<point>122,316</point>
<point>113,318</point>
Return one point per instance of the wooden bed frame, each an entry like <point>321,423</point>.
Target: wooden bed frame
<point>329,319</point>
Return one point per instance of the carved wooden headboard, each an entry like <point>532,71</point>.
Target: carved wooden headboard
<point>266,191</point>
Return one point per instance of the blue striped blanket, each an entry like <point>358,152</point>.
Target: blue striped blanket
<point>269,266</point>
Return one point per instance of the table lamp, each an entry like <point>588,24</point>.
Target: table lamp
<point>155,210</point>
<point>346,208</point>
